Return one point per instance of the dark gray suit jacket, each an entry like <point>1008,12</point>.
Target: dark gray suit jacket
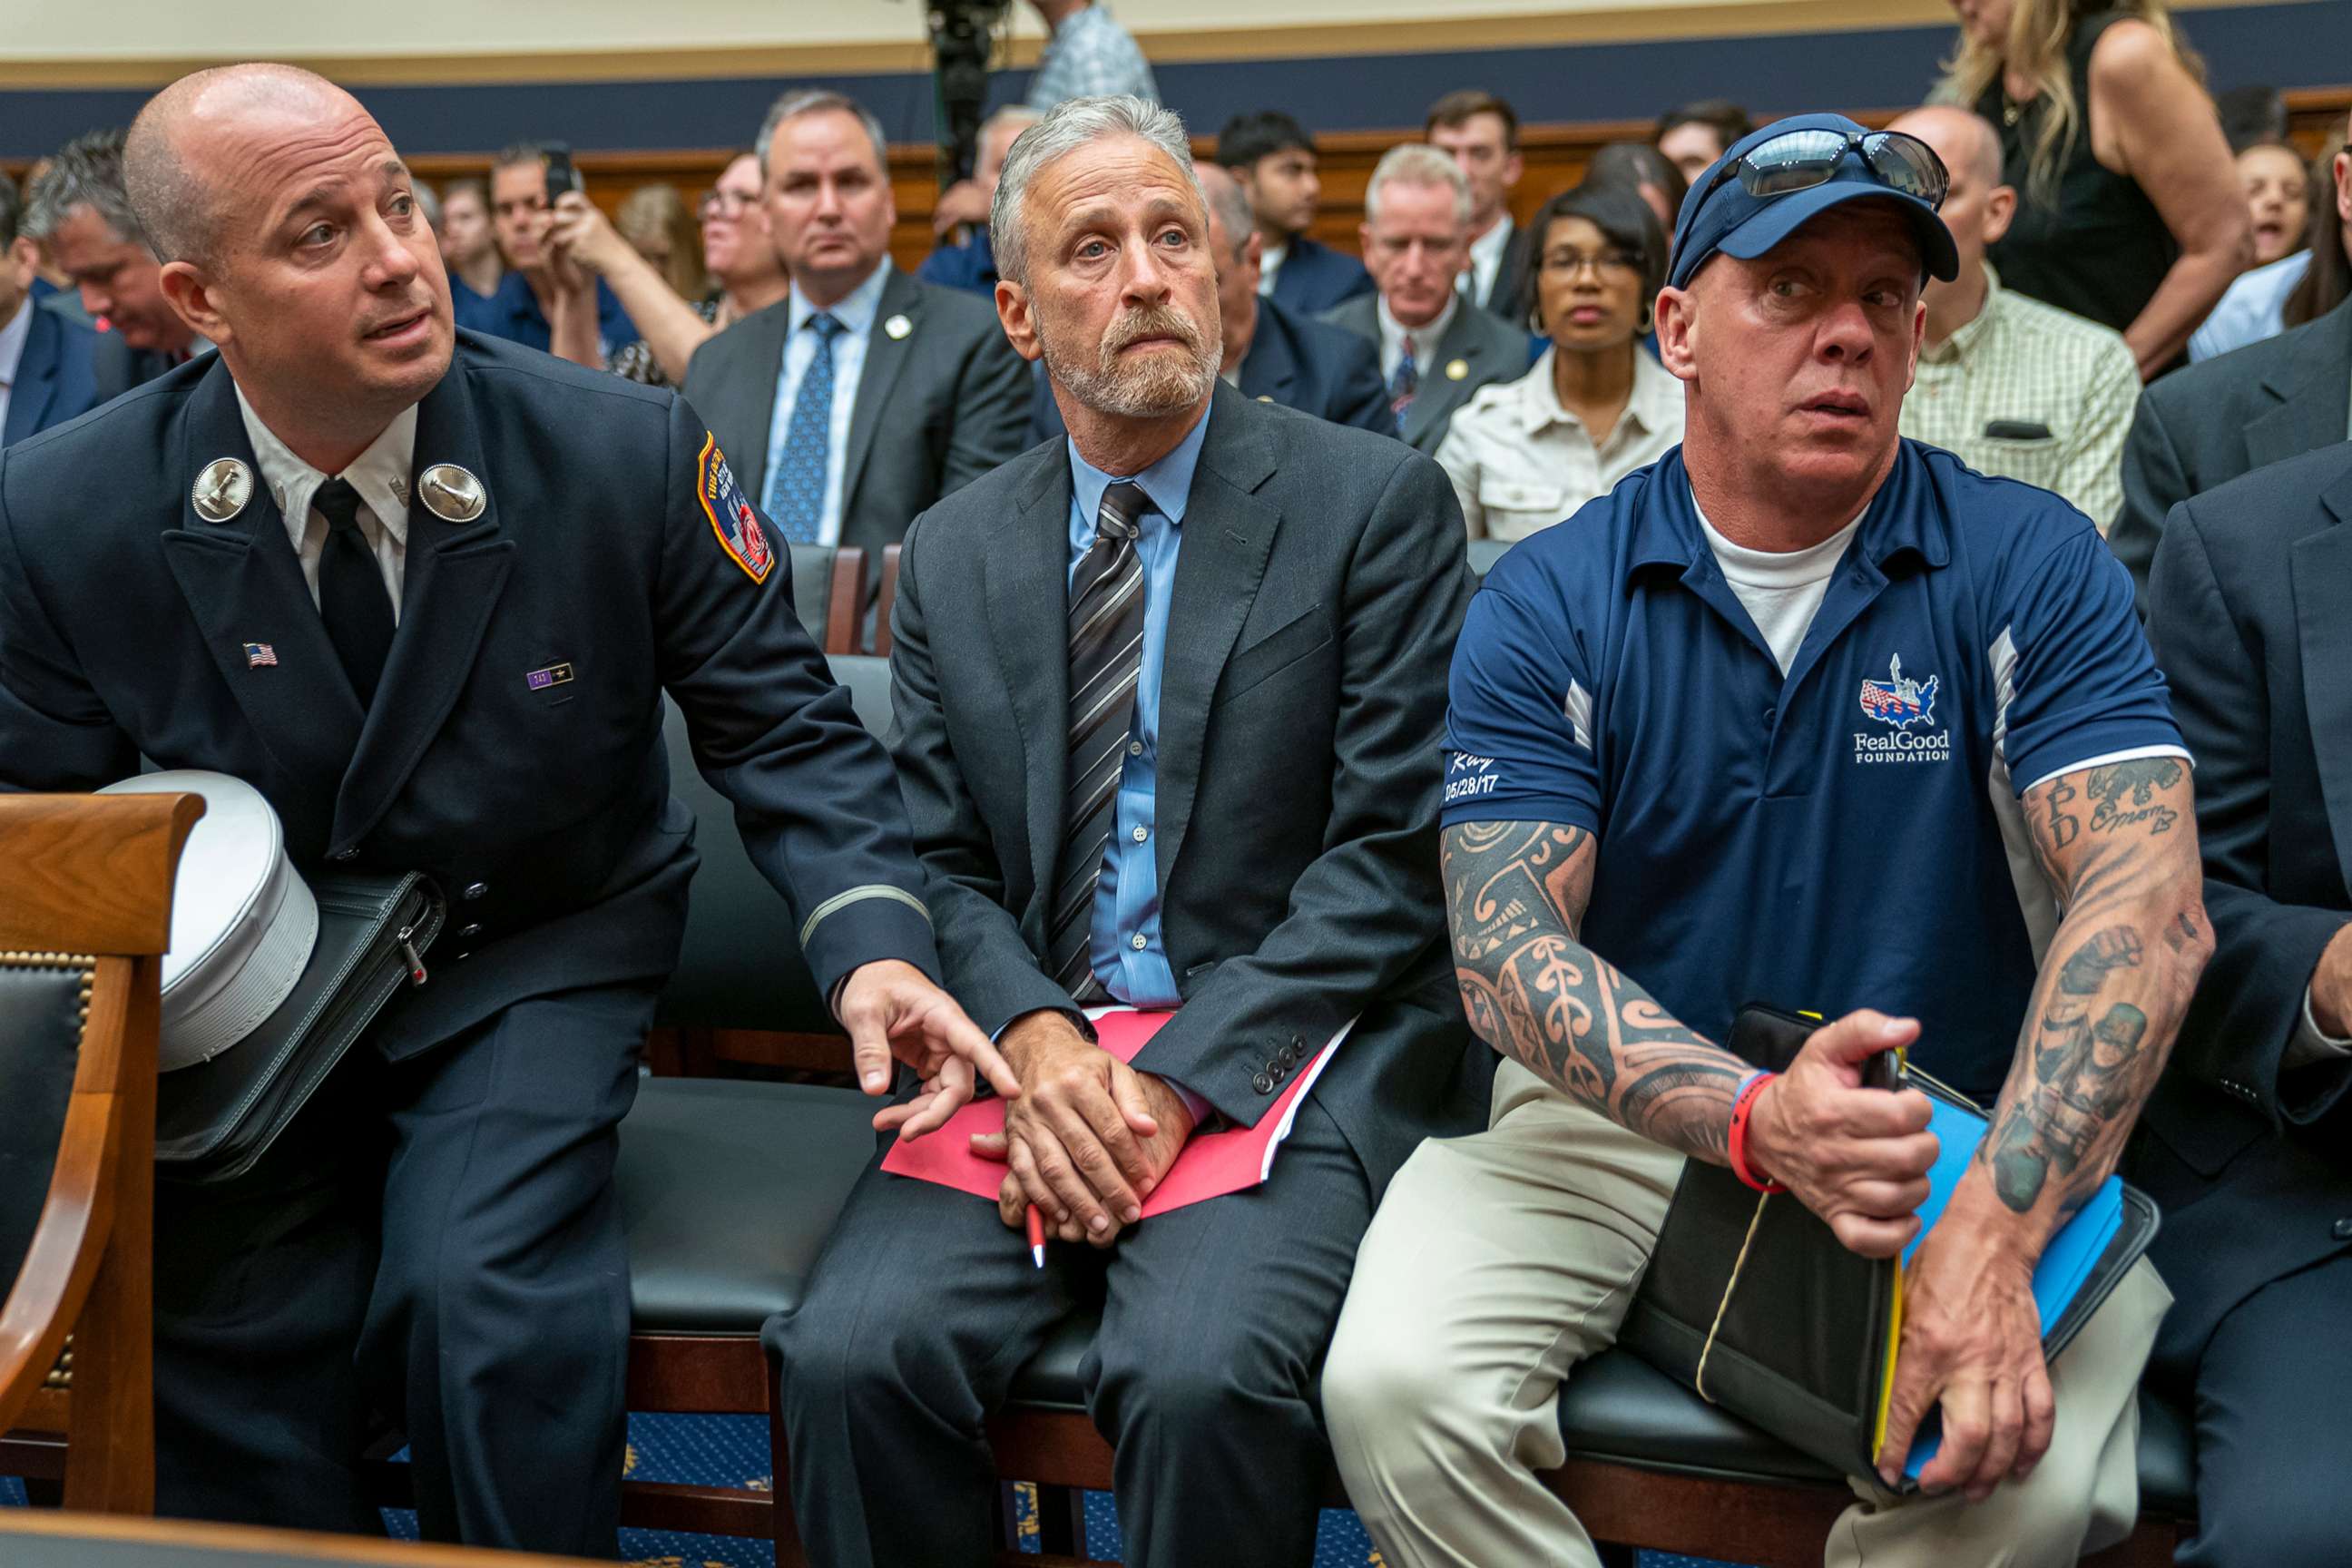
<point>2246,611</point>
<point>2244,410</point>
<point>1484,346</point>
<point>1318,589</point>
<point>936,409</point>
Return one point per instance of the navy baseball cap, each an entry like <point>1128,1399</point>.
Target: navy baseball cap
<point>1720,216</point>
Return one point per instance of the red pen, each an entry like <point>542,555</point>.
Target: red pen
<point>1036,1237</point>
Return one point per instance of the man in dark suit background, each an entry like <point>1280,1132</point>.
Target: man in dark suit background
<point>426,592</point>
<point>1435,348</point>
<point>1273,158</point>
<point>865,395</point>
<point>1167,718</point>
<point>1481,133</point>
<point>1269,353</point>
<point>45,356</point>
<point>2245,1141</point>
<point>77,210</point>
<point>2205,425</point>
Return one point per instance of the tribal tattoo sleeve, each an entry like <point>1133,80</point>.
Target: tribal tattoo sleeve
<point>1516,893</point>
<point>2119,843</point>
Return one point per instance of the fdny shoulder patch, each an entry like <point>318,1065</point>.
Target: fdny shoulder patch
<point>732,516</point>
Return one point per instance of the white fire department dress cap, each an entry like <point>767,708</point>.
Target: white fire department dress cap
<point>243,922</point>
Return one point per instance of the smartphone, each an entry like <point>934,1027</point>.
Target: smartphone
<point>561,175</point>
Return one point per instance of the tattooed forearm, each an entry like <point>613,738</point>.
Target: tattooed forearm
<point>1514,894</point>
<point>2119,976</point>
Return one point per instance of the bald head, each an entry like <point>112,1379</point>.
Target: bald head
<point>204,126</point>
<point>1965,140</point>
<point>1229,208</point>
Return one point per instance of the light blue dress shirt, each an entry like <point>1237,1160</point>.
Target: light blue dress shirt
<point>856,313</point>
<point>2253,308</point>
<point>1126,949</point>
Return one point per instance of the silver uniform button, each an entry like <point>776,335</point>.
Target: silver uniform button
<point>474,890</point>
<point>473,929</point>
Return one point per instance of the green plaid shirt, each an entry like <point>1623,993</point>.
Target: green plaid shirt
<point>2031,392</point>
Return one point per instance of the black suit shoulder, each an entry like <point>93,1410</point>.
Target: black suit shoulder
<point>2200,393</point>
<point>2264,512</point>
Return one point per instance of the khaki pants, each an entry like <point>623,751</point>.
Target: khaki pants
<point>1497,1262</point>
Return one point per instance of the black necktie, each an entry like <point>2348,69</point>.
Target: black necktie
<point>1106,656</point>
<point>351,596</point>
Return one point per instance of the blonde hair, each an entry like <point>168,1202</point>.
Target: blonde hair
<point>2039,32</point>
<point>653,215</point>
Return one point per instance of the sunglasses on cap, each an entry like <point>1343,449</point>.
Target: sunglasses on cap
<point>1800,160</point>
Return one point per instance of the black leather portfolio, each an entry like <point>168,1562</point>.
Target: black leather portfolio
<point>214,1119</point>
<point>1803,1341</point>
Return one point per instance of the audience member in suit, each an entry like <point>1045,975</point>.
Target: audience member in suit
<point>78,214</point>
<point>1221,793</point>
<point>2203,425</point>
<point>543,301</point>
<point>1526,454</point>
<point>436,1234</point>
<point>45,354</point>
<point>968,262</point>
<point>2248,1142</point>
<point>1435,348</point>
<point>863,396</point>
<point>1269,353</point>
<point>1273,158</point>
<point>1481,133</point>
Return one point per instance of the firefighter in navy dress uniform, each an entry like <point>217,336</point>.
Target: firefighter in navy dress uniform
<point>425,591</point>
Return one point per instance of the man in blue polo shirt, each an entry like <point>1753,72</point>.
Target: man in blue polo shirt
<point>1809,714</point>
<point>545,301</point>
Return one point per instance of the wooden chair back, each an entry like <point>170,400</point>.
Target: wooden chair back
<point>85,917</point>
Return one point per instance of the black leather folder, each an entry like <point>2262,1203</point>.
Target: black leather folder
<point>214,1119</point>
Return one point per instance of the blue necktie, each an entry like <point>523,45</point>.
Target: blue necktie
<point>796,489</point>
<point>1405,384</point>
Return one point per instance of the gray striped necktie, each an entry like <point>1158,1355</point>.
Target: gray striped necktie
<point>1105,656</point>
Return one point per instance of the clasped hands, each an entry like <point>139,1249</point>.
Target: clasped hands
<point>1087,1138</point>
<point>1859,1158</point>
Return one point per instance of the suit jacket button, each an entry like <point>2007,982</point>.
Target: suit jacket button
<point>1289,1054</point>
<point>1276,1071</point>
<point>1262,1084</point>
<point>2344,1229</point>
<point>474,890</point>
<point>473,930</point>
<point>345,855</point>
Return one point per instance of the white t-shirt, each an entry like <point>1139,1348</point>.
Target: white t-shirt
<point>1782,590</point>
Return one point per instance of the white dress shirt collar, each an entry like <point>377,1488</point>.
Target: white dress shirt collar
<point>380,474</point>
<point>1425,338</point>
<point>1269,266</point>
<point>855,310</point>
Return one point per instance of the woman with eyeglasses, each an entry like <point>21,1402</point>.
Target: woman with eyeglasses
<point>2129,209</point>
<point>743,269</point>
<point>1525,454</point>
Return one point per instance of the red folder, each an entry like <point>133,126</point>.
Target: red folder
<point>1212,1164</point>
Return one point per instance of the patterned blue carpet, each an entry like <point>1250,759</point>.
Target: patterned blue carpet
<point>732,1450</point>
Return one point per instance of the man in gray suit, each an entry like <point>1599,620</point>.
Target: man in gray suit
<point>1168,697</point>
<point>863,396</point>
<point>1436,348</point>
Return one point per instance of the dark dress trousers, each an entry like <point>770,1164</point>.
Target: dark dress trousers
<point>935,409</point>
<point>1485,347</point>
<point>1294,361</point>
<point>444,1206</point>
<point>2205,425</point>
<point>2252,1160</point>
<point>56,379</point>
<point>1318,588</point>
<point>1313,277</point>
